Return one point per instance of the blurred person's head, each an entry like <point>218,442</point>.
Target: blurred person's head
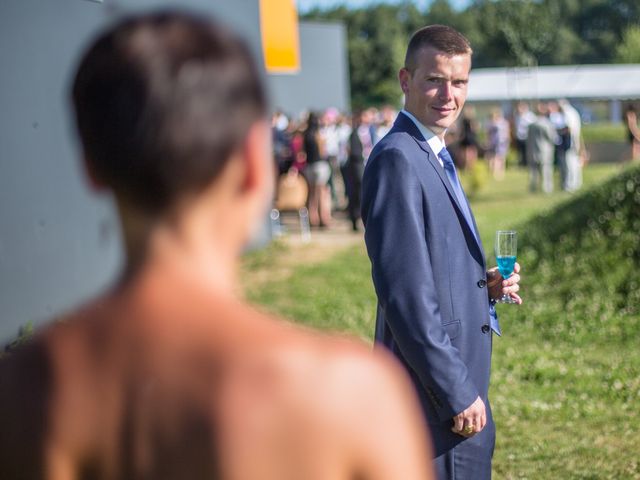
<point>388,114</point>
<point>469,112</point>
<point>293,126</point>
<point>331,116</point>
<point>169,108</point>
<point>542,108</point>
<point>373,115</point>
<point>522,107</point>
<point>280,121</point>
<point>435,76</point>
<point>496,114</point>
<point>358,117</point>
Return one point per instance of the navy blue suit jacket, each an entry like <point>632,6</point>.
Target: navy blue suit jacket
<point>429,275</point>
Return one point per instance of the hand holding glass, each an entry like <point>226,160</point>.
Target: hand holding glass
<point>506,250</point>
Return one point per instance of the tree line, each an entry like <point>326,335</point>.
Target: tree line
<point>503,33</point>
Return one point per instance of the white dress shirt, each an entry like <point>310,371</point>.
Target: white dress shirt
<point>434,142</point>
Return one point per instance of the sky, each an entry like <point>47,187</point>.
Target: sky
<point>306,5</point>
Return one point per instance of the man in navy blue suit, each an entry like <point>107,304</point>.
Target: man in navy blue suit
<point>435,295</point>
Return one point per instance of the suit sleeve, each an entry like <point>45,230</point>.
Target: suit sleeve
<point>395,235</point>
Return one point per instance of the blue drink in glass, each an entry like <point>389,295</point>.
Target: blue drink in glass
<point>506,250</point>
<point>506,264</point>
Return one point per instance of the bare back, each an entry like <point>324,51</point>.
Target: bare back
<point>163,380</point>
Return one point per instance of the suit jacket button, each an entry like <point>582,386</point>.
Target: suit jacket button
<point>485,328</point>
<point>482,283</point>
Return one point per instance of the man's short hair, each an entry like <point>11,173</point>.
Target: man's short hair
<point>161,101</point>
<point>441,37</point>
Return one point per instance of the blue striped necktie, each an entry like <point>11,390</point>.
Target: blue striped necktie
<point>450,170</point>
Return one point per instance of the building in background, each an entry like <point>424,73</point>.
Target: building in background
<point>323,78</point>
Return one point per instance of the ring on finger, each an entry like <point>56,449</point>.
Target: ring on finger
<point>467,429</point>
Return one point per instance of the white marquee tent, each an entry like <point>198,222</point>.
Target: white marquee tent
<point>580,82</point>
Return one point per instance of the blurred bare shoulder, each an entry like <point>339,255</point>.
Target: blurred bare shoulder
<point>377,413</point>
<point>340,406</point>
<point>26,379</point>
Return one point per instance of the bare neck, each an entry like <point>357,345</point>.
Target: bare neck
<point>184,245</point>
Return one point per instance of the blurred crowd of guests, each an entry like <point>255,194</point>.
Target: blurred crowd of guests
<point>551,138</point>
<point>545,140</point>
<point>329,150</point>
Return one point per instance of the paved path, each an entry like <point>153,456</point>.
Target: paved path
<point>316,248</point>
<point>340,235</point>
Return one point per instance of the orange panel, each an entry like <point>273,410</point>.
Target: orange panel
<point>280,39</point>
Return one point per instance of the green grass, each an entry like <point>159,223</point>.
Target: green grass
<point>565,386</point>
<point>507,204</point>
<point>604,132</point>
<point>334,295</point>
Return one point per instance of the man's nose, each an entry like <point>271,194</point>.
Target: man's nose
<point>445,91</point>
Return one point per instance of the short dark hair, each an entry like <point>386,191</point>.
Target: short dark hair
<point>161,101</point>
<point>441,37</point>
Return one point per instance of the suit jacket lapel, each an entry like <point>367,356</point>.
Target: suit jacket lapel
<point>473,218</point>
<point>404,123</point>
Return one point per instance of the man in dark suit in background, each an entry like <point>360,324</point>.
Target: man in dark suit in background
<point>360,146</point>
<point>435,295</point>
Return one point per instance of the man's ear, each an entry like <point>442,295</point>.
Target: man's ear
<point>258,157</point>
<point>404,76</point>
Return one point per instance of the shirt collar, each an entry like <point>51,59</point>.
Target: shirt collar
<point>432,140</point>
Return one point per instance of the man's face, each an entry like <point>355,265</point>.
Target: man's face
<point>436,91</point>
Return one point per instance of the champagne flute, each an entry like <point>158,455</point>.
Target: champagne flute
<point>506,250</point>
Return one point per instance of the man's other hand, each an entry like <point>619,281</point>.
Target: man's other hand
<point>499,286</point>
<point>470,421</point>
